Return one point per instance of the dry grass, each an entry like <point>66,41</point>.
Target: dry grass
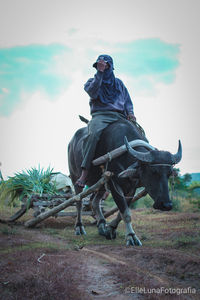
<point>169,258</point>
<point>57,276</point>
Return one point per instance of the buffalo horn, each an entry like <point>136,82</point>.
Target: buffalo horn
<point>177,157</point>
<point>119,151</point>
<point>145,157</point>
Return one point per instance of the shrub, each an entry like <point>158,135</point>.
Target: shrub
<point>22,185</point>
<point>176,204</point>
<point>145,202</point>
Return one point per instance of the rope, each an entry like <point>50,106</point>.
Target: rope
<point>172,188</point>
<point>139,127</point>
<point>109,156</point>
<point>120,194</point>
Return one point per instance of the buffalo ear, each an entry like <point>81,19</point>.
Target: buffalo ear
<point>128,173</point>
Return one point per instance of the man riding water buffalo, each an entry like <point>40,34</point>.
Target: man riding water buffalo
<point>109,102</point>
<point>143,166</point>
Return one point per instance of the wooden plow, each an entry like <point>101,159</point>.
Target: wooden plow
<point>53,205</point>
<point>57,203</point>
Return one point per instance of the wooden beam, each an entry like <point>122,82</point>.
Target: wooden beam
<point>18,214</point>
<point>73,213</point>
<point>135,198</point>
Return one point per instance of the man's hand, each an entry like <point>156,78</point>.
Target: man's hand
<point>131,117</point>
<point>101,65</point>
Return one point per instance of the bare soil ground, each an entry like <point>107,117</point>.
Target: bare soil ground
<point>49,262</point>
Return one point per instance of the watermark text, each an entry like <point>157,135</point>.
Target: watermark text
<point>159,290</point>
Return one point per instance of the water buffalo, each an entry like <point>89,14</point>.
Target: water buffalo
<point>139,167</point>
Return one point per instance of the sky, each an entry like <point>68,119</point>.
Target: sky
<point>47,49</point>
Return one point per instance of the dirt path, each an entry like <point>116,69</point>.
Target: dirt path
<point>139,274</point>
<point>50,263</point>
<point>98,280</point>
<point>89,270</point>
<point>101,284</point>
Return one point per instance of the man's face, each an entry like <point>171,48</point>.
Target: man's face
<point>102,65</point>
<point>104,62</point>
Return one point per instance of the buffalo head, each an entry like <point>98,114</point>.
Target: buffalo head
<point>152,170</point>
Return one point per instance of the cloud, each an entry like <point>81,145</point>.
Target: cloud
<point>26,69</point>
<point>148,61</point>
<point>143,64</point>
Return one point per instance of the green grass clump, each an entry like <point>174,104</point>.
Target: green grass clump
<point>8,230</point>
<point>91,238</point>
<point>22,185</point>
<point>186,241</point>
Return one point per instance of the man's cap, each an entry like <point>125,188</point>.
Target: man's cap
<point>106,58</point>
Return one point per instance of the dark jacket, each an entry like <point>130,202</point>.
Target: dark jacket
<point>122,101</point>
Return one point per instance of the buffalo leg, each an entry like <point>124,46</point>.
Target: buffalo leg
<point>79,228</point>
<point>115,222</point>
<point>132,235</point>
<point>112,226</point>
<point>131,238</point>
<point>96,206</point>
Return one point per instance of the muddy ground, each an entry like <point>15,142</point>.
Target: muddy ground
<point>49,262</point>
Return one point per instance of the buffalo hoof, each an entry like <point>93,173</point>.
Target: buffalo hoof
<point>102,229</point>
<point>132,240</point>
<point>136,240</point>
<point>110,233</point>
<point>80,230</point>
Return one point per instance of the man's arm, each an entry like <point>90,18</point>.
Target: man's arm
<point>93,85</point>
<point>128,106</point>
